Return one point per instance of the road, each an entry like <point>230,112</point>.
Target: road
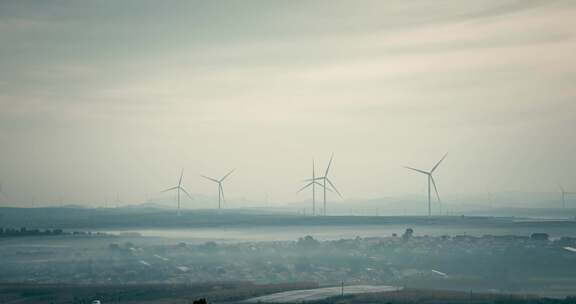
<point>296,296</point>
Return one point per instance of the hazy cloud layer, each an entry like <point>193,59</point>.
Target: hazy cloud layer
<point>105,97</point>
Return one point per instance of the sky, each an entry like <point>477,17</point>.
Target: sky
<point>106,97</point>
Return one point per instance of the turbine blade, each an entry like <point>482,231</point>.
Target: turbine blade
<point>225,176</point>
<point>333,187</point>
<point>209,178</point>
<point>169,189</point>
<point>438,163</point>
<point>435,189</point>
<point>181,175</point>
<point>313,179</point>
<point>417,170</point>
<point>188,194</point>
<point>329,164</point>
<point>306,186</point>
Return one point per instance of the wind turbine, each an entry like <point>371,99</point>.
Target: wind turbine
<point>220,188</point>
<point>491,199</point>
<point>179,188</point>
<point>430,181</point>
<point>312,182</point>
<point>325,180</point>
<point>564,194</point>
<point>118,202</point>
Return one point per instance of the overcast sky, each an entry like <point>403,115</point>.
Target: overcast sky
<point>99,97</point>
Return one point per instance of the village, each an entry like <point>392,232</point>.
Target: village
<point>490,262</point>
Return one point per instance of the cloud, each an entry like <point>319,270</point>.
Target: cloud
<point>181,84</point>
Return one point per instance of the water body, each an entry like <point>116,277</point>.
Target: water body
<point>288,233</point>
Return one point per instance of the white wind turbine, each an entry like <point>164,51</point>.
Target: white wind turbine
<point>564,194</point>
<point>220,188</point>
<point>118,202</point>
<point>312,182</point>
<point>431,182</point>
<point>491,199</point>
<point>179,188</point>
<point>325,180</point>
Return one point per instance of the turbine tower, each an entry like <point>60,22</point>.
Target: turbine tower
<point>431,182</point>
<point>312,182</point>
<point>563,196</point>
<point>179,188</point>
<point>220,188</point>
<point>325,180</point>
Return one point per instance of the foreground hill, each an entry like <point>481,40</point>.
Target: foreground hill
<point>236,292</point>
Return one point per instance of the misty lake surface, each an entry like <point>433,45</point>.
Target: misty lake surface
<point>291,233</point>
